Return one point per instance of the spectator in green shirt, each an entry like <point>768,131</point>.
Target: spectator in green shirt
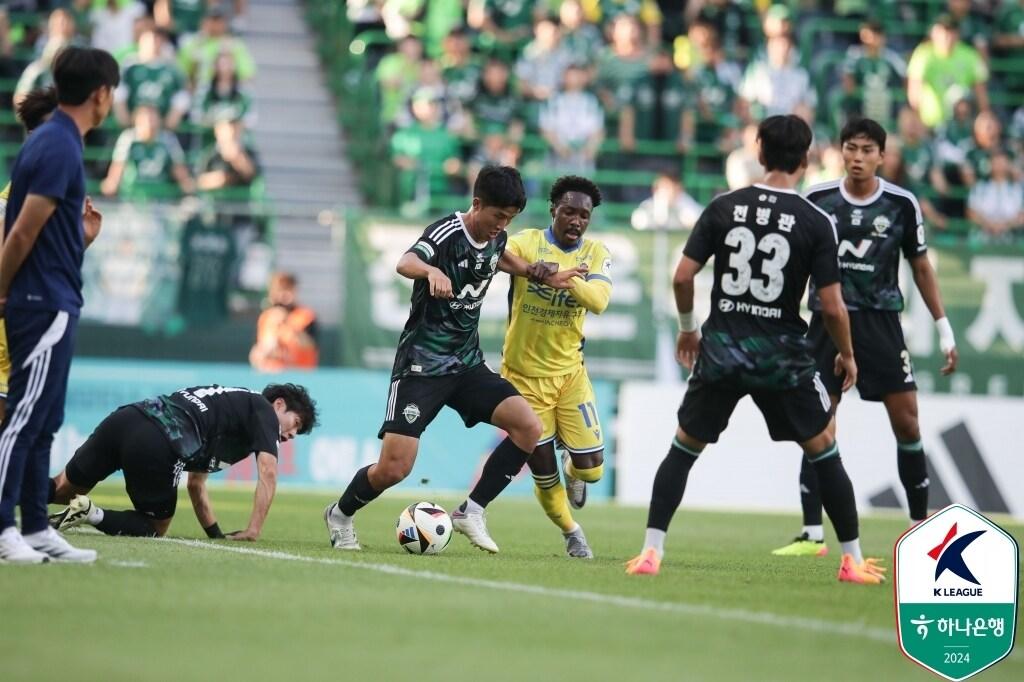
<point>199,52</point>
<point>1008,41</point>
<point>179,17</point>
<point>942,70</point>
<point>147,161</point>
<point>497,108</point>
<point>152,81</point>
<point>507,23</point>
<point>425,153</point>
<point>916,157</point>
<point>876,74</point>
<point>397,74</point>
<point>621,63</point>
<point>231,162</point>
<point>580,38</point>
<point>459,67</point>
<point>224,99</point>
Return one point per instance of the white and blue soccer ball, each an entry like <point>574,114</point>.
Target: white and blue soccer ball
<point>424,528</point>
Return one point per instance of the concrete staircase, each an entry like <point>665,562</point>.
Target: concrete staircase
<point>308,175</point>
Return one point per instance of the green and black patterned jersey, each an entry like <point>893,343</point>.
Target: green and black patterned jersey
<point>766,242</point>
<point>878,78</point>
<point>714,89</point>
<point>494,113</point>
<point>158,84</point>
<point>462,80</point>
<point>213,427</point>
<point>872,232</point>
<point>917,163</point>
<point>441,336</point>
<point>658,109</point>
<point>148,165</point>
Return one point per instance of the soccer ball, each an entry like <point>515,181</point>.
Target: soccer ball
<point>424,528</point>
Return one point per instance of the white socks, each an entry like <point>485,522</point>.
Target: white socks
<point>472,507</point>
<point>655,538</point>
<point>815,533</point>
<point>340,517</point>
<point>853,548</point>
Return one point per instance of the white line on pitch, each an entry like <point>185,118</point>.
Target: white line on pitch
<point>741,615</point>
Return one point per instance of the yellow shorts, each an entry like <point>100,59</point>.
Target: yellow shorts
<point>5,359</point>
<point>566,407</point>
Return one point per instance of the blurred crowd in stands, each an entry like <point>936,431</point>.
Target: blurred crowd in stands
<point>182,112</point>
<point>670,91</point>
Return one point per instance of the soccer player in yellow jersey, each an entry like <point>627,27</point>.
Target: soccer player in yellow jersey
<point>543,354</point>
<point>33,111</point>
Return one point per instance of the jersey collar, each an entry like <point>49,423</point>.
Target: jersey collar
<point>549,234</point>
<point>59,118</point>
<point>850,199</point>
<point>775,189</point>
<point>466,232</point>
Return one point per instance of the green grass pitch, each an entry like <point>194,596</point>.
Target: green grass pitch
<point>291,608</point>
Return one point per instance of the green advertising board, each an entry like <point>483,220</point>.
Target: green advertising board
<point>983,289</point>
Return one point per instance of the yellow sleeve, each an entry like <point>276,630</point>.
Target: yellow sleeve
<point>595,292</point>
<point>519,244</point>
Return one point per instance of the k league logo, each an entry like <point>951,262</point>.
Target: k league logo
<point>956,585</point>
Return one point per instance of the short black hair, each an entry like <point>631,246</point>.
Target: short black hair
<point>784,142</point>
<point>574,183</point>
<point>36,106</point>
<point>500,186</point>
<point>80,71</point>
<point>297,400</point>
<point>867,127</point>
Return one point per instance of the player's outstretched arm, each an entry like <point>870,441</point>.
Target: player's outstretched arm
<point>413,267</point>
<point>266,465</point>
<point>837,322</point>
<point>928,284</point>
<point>201,505</point>
<point>688,341</point>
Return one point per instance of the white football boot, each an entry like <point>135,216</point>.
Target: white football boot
<point>343,535</point>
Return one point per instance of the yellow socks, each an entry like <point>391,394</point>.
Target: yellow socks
<point>551,494</point>
<point>589,475</point>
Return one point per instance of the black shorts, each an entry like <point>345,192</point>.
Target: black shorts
<point>413,402</point>
<point>883,362</point>
<point>129,441</point>
<point>795,414</point>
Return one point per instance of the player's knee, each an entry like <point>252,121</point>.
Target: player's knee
<point>160,526</point>
<point>527,432</point>
<point>906,427</point>
<point>391,473</point>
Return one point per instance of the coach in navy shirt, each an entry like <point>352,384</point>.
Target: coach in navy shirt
<point>46,233</point>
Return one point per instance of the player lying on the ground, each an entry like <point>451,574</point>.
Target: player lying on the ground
<point>766,240</point>
<point>876,221</point>
<point>199,430</point>
<point>439,361</point>
<point>543,353</point>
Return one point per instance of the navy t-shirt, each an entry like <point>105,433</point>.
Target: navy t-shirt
<point>50,164</point>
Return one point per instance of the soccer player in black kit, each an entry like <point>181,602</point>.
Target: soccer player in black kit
<point>766,240</point>
<point>876,221</point>
<point>439,361</point>
<point>201,430</point>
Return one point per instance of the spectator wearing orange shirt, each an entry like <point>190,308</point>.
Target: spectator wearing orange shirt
<point>286,331</point>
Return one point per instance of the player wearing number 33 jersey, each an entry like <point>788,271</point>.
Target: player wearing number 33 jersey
<point>767,241</point>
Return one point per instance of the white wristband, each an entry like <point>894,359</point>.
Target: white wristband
<point>947,341</point>
<point>687,323</point>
